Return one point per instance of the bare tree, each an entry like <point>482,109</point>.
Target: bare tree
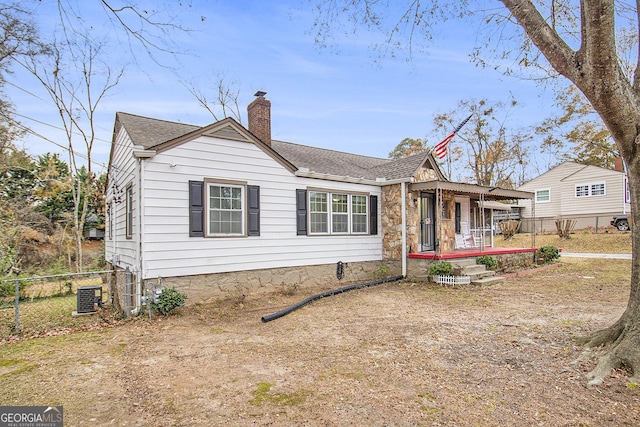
<point>223,103</point>
<point>491,152</point>
<point>18,36</point>
<point>574,39</point>
<point>76,81</point>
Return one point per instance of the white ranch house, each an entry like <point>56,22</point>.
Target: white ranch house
<point>220,208</point>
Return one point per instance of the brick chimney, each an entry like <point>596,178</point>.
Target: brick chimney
<point>618,166</point>
<point>259,113</point>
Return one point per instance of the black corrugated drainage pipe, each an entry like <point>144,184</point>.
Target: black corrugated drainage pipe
<point>269,317</point>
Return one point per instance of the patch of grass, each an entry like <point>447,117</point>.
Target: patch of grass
<point>26,367</point>
<point>263,394</point>
<point>118,349</point>
<point>613,242</point>
<point>43,314</point>
<point>9,362</point>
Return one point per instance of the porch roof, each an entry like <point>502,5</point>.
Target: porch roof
<point>490,193</point>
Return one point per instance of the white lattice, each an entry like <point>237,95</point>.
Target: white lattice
<point>453,280</point>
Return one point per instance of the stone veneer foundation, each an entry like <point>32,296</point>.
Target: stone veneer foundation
<point>205,287</point>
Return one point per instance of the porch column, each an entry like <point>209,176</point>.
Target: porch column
<point>403,195</point>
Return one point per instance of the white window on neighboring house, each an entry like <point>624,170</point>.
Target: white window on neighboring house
<point>627,193</point>
<point>590,190</point>
<point>582,190</point>
<point>543,196</point>
<point>597,189</point>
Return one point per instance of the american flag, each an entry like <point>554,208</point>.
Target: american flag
<point>441,147</point>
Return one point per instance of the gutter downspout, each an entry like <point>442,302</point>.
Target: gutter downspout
<point>138,178</point>
<point>403,192</point>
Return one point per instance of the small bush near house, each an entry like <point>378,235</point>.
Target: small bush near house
<point>441,268</point>
<point>488,261</point>
<point>547,254</point>
<point>169,300</point>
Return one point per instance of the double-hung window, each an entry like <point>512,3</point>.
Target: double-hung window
<point>225,209</point>
<point>129,212</point>
<point>338,213</point>
<point>590,190</point>
<point>359,214</point>
<point>582,191</point>
<point>543,196</point>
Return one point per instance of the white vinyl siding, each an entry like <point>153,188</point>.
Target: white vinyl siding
<point>119,249</point>
<point>168,249</point>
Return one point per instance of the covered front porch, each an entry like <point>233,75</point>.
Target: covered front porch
<point>469,253</point>
<point>457,220</point>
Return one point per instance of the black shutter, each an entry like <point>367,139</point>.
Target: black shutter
<point>196,209</point>
<point>301,212</point>
<point>254,210</point>
<point>373,215</point>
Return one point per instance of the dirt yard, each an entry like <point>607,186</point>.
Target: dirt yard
<point>398,354</point>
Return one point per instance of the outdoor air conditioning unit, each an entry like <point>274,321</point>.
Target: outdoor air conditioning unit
<point>88,297</point>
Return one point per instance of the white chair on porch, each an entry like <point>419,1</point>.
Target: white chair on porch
<point>466,239</point>
<point>460,242</point>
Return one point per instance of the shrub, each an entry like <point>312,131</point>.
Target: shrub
<point>509,228</point>
<point>169,300</point>
<point>441,268</point>
<point>8,289</point>
<point>488,261</point>
<point>547,254</point>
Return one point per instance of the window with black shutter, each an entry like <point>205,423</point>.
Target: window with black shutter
<point>301,212</point>
<point>253,201</point>
<point>373,215</point>
<point>220,209</point>
<point>196,209</point>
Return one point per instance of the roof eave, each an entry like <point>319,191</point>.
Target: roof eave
<point>380,182</point>
<point>464,188</point>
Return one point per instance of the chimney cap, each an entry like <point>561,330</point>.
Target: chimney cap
<point>260,93</point>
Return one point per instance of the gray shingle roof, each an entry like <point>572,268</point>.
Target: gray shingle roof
<point>149,133</point>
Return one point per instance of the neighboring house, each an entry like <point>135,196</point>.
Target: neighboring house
<point>589,194</point>
<point>222,209</point>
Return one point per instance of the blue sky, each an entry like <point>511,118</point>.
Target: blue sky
<point>337,98</point>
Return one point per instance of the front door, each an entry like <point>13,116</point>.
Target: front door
<point>427,222</point>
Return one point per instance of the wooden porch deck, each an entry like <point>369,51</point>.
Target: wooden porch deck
<point>469,253</point>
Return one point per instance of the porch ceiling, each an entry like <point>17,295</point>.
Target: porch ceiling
<point>490,193</point>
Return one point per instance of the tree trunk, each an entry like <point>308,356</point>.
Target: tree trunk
<point>594,68</point>
<point>621,341</point>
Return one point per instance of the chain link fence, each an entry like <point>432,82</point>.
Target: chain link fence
<point>41,305</point>
<point>595,223</point>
